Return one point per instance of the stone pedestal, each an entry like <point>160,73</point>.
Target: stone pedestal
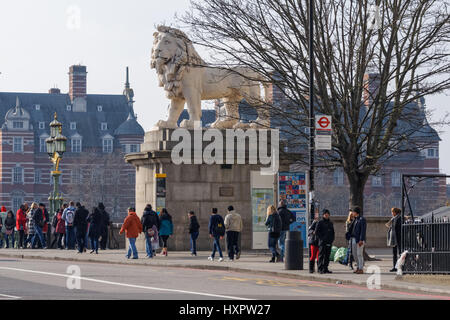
<point>197,187</point>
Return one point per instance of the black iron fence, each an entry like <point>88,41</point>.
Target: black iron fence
<point>428,246</point>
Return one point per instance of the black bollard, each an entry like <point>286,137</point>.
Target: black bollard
<point>293,259</point>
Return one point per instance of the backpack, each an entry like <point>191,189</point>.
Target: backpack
<point>55,220</point>
<point>69,216</point>
<point>276,223</point>
<point>219,228</point>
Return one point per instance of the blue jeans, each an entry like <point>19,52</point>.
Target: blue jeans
<point>272,243</point>
<point>12,239</point>
<point>38,233</point>
<point>94,244</point>
<point>70,237</point>
<point>132,248</point>
<point>281,241</point>
<point>216,246</point>
<point>148,245</point>
<point>194,236</point>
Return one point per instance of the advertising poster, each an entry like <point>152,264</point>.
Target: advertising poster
<point>292,188</point>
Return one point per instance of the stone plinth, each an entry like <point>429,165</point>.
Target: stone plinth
<point>197,187</point>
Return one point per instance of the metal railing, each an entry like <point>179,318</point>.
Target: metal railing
<point>428,246</point>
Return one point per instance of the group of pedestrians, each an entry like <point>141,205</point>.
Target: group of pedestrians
<point>72,224</point>
<point>321,236</point>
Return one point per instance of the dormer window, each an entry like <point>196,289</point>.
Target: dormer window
<point>37,107</point>
<point>69,108</point>
<point>99,108</point>
<point>73,126</point>
<point>41,125</point>
<point>104,126</point>
<point>17,124</point>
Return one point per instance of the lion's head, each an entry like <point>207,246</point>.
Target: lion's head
<point>172,55</point>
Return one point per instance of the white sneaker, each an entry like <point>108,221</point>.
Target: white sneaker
<point>210,258</point>
<point>220,259</point>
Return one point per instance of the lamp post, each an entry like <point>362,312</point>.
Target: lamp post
<point>311,108</point>
<point>56,146</point>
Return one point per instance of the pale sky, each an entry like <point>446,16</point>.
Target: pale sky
<point>39,40</point>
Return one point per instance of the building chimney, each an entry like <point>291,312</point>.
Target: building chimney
<point>54,91</point>
<point>77,82</point>
<point>372,83</point>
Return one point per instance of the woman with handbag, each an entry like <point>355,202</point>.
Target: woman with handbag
<point>313,245</point>
<point>394,235</point>
<point>274,225</point>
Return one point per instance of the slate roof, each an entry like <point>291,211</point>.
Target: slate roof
<point>115,111</point>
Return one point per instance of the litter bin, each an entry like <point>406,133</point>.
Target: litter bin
<point>293,259</point>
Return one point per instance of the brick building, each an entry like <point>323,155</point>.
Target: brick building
<point>100,129</point>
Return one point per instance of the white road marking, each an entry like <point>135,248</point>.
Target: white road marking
<point>8,297</point>
<point>125,284</point>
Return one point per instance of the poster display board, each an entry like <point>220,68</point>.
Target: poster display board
<point>293,189</point>
<point>262,193</point>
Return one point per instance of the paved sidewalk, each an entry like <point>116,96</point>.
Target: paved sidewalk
<point>250,262</point>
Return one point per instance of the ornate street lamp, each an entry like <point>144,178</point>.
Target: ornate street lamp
<point>56,146</point>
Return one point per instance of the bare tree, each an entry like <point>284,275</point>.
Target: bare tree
<point>404,42</point>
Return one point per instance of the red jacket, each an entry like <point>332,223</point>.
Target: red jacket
<point>21,219</point>
<point>132,226</point>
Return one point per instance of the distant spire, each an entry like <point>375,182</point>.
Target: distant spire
<point>127,83</point>
<point>128,92</point>
<point>17,102</point>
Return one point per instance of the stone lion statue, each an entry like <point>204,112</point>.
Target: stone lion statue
<point>186,78</point>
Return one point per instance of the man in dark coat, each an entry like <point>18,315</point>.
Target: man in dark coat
<point>358,238</point>
<point>325,235</point>
<point>80,224</point>
<point>287,217</point>
<point>104,225</point>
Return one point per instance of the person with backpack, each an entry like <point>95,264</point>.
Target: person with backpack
<point>80,225</point>
<point>325,235</point>
<point>313,245</point>
<point>274,225</point>
<point>21,220</point>
<point>216,229</point>
<point>194,227</point>
<point>233,227</point>
<point>68,216</point>
<point>150,222</point>
<point>39,221</point>
<point>166,229</point>
<point>132,227</point>
<point>9,224</point>
<point>287,217</point>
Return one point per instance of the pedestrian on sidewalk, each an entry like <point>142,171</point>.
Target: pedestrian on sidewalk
<point>358,238</point>
<point>233,227</point>
<point>394,235</point>
<point>274,225</point>
<point>104,228</point>
<point>194,227</point>
<point>166,229</point>
<point>30,227</point>
<point>150,226</point>
<point>313,245</point>
<point>39,220</point>
<point>287,217</point>
<point>348,260</point>
<point>95,220</point>
<point>21,220</point>
<point>216,229</point>
<point>3,214</point>
<point>68,216</point>
<point>9,224</point>
<point>60,229</point>
<point>132,227</point>
<point>325,235</point>
<point>46,219</point>
<point>80,225</point>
